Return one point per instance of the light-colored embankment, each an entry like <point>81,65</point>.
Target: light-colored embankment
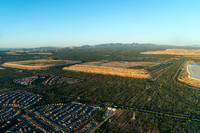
<point>38,64</point>
<point>184,76</point>
<point>27,67</point>
<point>110,71</point>
<point>1,68</point>
<point>175,52</point>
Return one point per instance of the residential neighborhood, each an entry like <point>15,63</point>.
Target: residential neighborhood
<point>19,99</point>
<point>65,117</point>
<point>58,117</point>
<point>8,113</point>
<point>40,78</point>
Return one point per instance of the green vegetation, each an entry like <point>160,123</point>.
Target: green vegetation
<point>99,115</point>
<point>145,122</point>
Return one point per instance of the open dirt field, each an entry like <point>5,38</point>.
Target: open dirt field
<point>1,68</point>
<point>175,52</point>
<point>110,71</point>
<point>43,62</point>
<point>38,64</point>
<point>183,76</point>
<point>120,64</point>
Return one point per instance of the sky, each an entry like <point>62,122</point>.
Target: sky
<point>63,23</point>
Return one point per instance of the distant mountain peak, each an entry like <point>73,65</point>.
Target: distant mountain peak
<point>124,45</point>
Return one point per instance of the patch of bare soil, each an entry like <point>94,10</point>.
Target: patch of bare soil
<point>110,71</point>
<point>175,52</point>
<point>120,64</point>
<point>37,64</point>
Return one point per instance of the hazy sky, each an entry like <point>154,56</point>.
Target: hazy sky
<point>35,23</point>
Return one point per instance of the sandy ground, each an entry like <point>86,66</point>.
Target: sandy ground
<point>37,64</point>
<point>110,71</point>
<point>120,64</point>
<point>175,52</point>
<point>41,62</point>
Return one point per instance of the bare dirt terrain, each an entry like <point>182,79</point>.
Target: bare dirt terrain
<point>110,71</point>
<point>183,76</point>
<point>120,64</point>
<point>175,52</point>
<point>38,64</point>
<point>1,68</point>
<point>43,62</point>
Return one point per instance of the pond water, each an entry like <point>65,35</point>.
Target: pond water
<point>194,71</point>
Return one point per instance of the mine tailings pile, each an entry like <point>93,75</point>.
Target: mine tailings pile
<point>110,71</point>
